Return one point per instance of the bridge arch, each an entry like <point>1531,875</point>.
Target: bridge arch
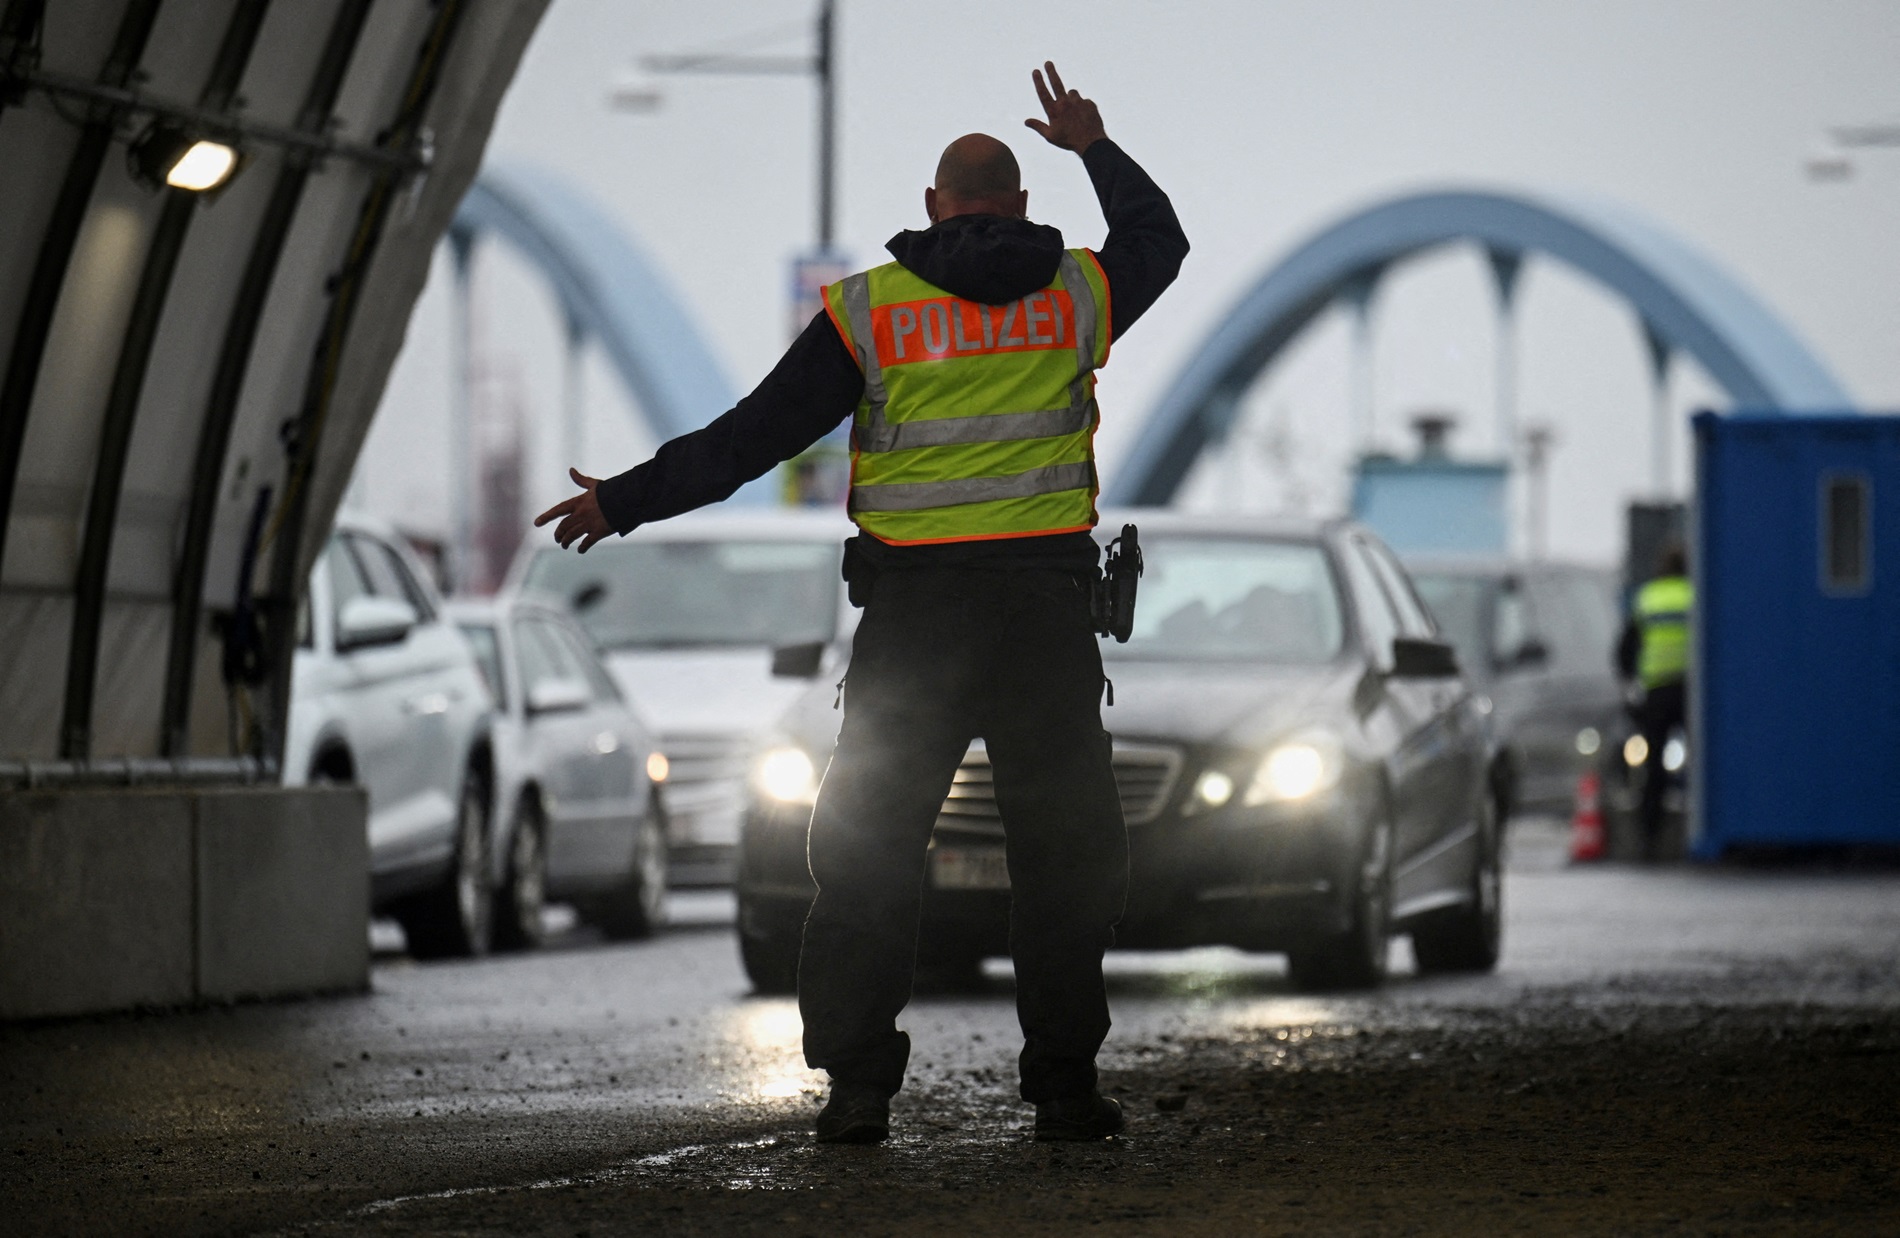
<point>1686,302</point>
<point>609,291</point>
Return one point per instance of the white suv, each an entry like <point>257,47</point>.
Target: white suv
<point>712,623</point>
<point>385,692</point>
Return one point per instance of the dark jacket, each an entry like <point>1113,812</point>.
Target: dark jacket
<point>818,384</point>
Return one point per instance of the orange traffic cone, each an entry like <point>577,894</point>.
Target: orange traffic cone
<point>1586,824</point>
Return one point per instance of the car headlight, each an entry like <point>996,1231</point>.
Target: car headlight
<point>1212,789</point>
<point>1297,769</point>
<point>787,775</point>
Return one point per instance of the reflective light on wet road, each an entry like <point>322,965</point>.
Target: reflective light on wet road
<point>771,1031</point>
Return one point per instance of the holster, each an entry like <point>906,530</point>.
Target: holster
<point>859,574</point>
<point>1112,599</point>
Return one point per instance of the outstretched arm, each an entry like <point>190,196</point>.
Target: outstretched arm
<point>814,387</point>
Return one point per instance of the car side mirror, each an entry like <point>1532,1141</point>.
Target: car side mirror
<point>1531,654</point>
<point>588,596</point>
<point>802,661</point>
<point>1415,657</point>
<point>553,696</point>
<point>368,620</point>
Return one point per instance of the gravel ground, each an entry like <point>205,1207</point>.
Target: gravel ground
<point>1663,1051</point>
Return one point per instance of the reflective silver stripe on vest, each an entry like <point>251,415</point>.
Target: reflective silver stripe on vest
<point>857,312</point>
<point>986,428</point>
<point>879,435</point>
<point>911,496</point>
<point>1082,303</point>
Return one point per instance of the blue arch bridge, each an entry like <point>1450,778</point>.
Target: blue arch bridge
<point>1685,303</point>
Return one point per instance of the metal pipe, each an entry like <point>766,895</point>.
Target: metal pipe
<point>217,121</point>
<point>234,357</point>
<point>1505,266</point>
<point>56,252</point>
<point>461,414</point>
<point>133,771</point>
<point>1660,354</point>
<point>827,127</point>
<point>573,399</point>
<point>122,403</point>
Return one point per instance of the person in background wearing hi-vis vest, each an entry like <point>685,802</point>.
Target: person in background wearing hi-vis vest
<point>968,367</point>
<point>1654,650</point>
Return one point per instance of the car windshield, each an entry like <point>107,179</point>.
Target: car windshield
<point>1457,601</point>
<point>1234,599</point>
<point>675,594</point>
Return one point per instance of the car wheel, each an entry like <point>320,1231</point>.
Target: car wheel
<point>637,907</point>
<point>768,948</point>
<point>452,920</point>
<point>523,894</point>
<point>1466,938</point>
<point>1354,958</point>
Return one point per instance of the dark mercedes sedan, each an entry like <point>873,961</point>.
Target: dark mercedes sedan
<point>1302,770</point>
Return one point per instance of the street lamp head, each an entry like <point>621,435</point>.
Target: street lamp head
<point>1828,165</point>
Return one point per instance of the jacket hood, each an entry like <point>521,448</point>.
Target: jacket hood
<point>992,259</point>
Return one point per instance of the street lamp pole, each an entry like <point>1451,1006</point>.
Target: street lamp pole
<point>827,127</point>
<point>820,64</point>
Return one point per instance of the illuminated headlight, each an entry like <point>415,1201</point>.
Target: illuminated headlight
<point>1589,739</point>
<point>1675,753</point>
<point>787,775</point>
<point>1635,751</point>
<point>1212,789</point>
<point>1297,769</point>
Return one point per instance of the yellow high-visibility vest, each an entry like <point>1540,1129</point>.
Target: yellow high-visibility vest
<point>1662,610</point>
<point>978,421</point>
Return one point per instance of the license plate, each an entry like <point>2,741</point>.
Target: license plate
<point>969,868</point>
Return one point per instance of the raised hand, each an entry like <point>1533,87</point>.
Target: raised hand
<point>580,516</point>
<point>1073,121</point>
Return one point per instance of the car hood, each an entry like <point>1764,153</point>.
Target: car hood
<point>1166,702</point>
<point>1201,703</point>
<point>703,691</point>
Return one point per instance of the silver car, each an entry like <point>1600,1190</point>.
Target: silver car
<point>1536,639</point>
<point>691,616</point>
<point>579,814</point>
<point>385,694</point>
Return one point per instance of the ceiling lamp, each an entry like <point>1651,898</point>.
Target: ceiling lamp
<point>168,155</point>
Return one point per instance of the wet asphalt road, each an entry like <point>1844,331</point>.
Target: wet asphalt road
<point>1665,1050</point>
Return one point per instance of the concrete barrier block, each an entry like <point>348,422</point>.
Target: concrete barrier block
<point>283,891</point>
<point>95,901</point>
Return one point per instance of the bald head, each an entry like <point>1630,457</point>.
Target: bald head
<point>977,175</point>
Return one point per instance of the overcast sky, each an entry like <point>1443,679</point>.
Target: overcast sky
<point>1265,122</point>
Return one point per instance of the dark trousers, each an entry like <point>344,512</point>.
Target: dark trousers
<point>1665,708</point>
<point>943,656</point>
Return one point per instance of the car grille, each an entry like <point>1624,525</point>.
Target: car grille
<point>1144,775</point>
<point>705,786</point>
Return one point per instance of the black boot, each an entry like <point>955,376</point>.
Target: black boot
<point>1078,1119</point>
<point>855,1113</point>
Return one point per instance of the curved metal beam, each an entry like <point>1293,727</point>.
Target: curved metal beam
<point>122,404</point>
<point>1689,302</point>
<point>56,252</point>
<point>608,288</point>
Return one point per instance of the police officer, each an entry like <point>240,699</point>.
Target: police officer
<point>1654,650</point>
<point>968,367</point>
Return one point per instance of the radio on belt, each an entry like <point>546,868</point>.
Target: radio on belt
<point>1112,602</point>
